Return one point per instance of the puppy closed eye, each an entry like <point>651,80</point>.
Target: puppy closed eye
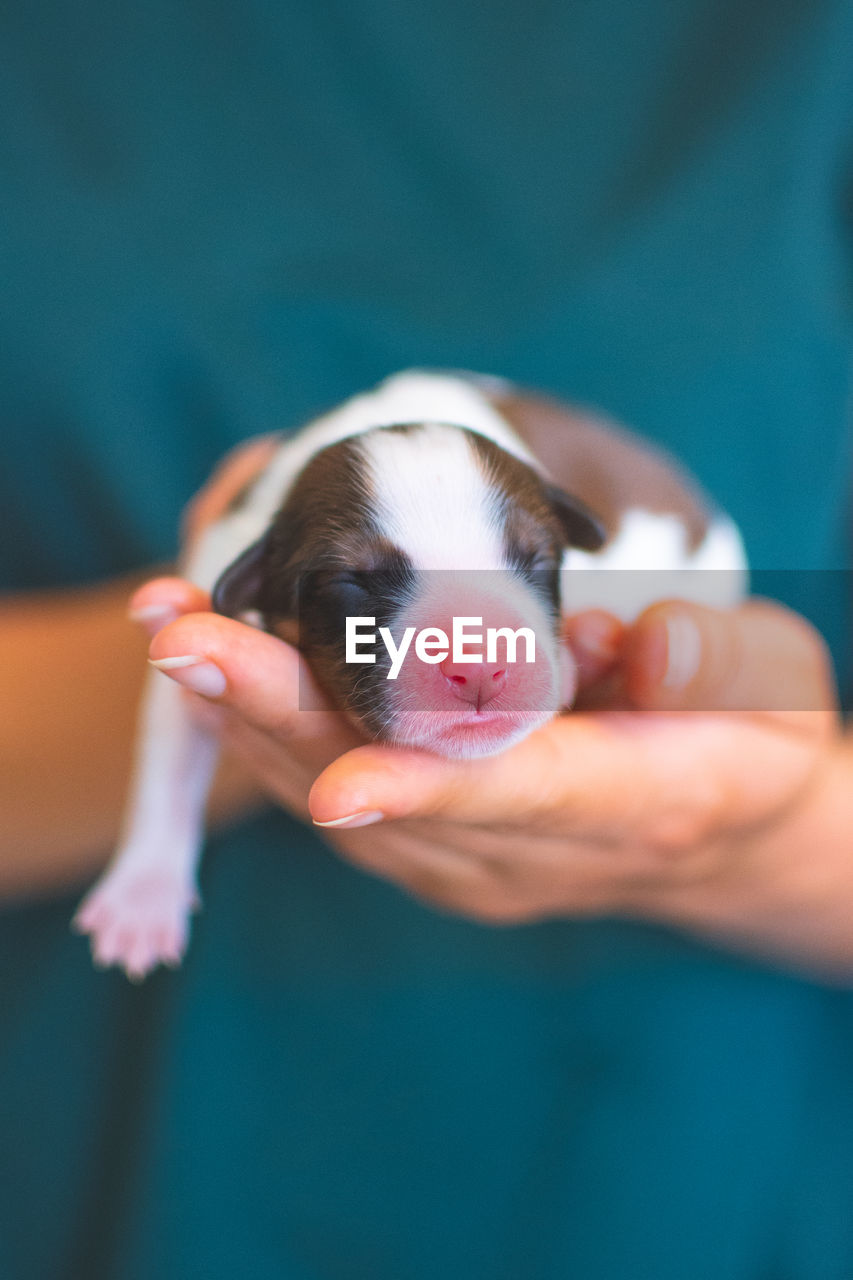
<point>350,593</point>
<point>536,564</point>
<point>343,594</point>
<point>379,588</point>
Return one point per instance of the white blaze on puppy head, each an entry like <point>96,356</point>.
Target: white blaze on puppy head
<point>413,504</point>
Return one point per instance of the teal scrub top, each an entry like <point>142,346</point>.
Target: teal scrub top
<point>219,219</point>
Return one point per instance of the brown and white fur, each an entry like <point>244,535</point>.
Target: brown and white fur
<point>431,496</point>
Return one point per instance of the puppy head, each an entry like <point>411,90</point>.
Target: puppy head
<point>414,526</point>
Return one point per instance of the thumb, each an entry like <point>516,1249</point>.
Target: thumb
<point>563,767</point>
<point>760,657</point>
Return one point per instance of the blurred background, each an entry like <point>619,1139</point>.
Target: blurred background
<point>218,220</point>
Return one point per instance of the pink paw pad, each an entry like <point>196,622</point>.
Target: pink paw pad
<point>137,920</point>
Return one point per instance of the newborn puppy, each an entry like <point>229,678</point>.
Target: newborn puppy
<point>421,558</point>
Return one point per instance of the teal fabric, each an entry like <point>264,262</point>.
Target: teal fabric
<point>219,219</point>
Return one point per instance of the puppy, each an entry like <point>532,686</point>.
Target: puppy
<point>417,552</point>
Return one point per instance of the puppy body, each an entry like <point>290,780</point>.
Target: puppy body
<point>414,502</point>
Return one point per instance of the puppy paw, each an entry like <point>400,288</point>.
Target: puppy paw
<point>137,919</point>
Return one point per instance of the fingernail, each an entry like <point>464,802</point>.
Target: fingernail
<point>683,651</point>
<point>194,673</point>
<point>153,617</point>
<point>364,818</point>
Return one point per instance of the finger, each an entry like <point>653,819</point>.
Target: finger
<point>572,767</point>
<point>760,657</point>
<point>429,868</point>
<point>254,674</point>
<point>595,639</point>
<point>611,781</point>
<point>162,600</point>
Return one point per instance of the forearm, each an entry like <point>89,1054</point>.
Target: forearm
<point>71,670</point>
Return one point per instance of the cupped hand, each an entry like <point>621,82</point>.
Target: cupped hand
<point>702,752</point>
<point>692,788</point>
<point>690,803</point>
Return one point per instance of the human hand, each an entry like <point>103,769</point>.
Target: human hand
<point>692,794</point>
<point>681,810</point>
<point>705,818</point>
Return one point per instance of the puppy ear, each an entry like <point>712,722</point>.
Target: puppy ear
<point>240,587</point>
<point>582,527</point>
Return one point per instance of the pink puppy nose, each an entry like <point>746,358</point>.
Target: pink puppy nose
<point>474,682</point>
